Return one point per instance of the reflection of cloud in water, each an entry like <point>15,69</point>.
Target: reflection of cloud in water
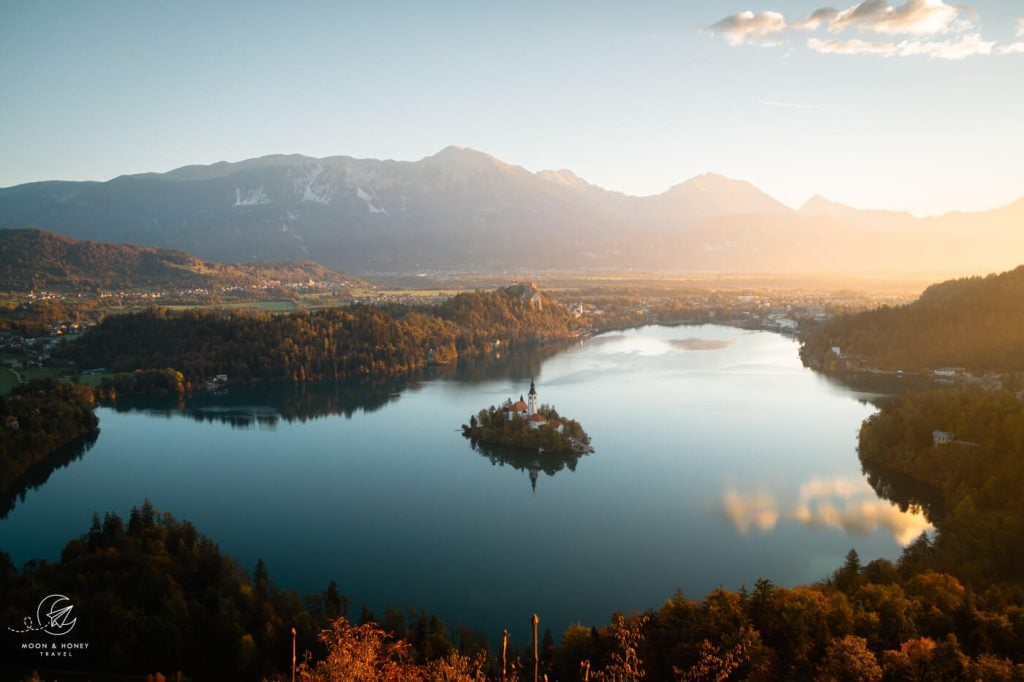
<point>863,517</point>
<point>605,339</point>
<point>848,504</point>
<point>650,346</point>
<point>701,344</point>
<point>759,510</point>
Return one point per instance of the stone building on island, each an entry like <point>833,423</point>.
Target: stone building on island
<point>527,409</point>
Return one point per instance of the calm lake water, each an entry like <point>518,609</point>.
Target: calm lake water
<point>719,459</point>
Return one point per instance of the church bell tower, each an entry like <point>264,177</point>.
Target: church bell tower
<point>532,397</point>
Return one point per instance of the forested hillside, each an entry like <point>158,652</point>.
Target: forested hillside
<point>325,344</point>
<point>38,418</point>
<point>37,259</point>
<point>975,323</point>
<point>161,597</point>
<point>979,474</point>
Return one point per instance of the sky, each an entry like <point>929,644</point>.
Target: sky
<point>908,105</point>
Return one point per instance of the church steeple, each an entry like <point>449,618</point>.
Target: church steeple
<point>533,398</point>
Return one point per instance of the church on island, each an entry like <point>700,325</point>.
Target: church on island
<point>529,425</point>
<point>528,411</point>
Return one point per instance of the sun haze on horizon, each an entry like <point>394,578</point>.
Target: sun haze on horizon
<point>905,106</point>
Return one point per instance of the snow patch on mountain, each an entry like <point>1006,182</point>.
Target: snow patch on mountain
<point>310,183</point>
<point>252,197</point>
<point>370,201</point>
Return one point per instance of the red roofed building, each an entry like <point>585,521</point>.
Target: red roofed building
<point>525,410</point>
<point>517,409</point>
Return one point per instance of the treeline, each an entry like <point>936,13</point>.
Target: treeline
<point>37,419</point>
<point>165,381</point>
<point>866,623</point>
<point>975,323</point>
<point>492,426</point>
<point>334,343</point>
<point>154,595</point>
<point>979,475</point>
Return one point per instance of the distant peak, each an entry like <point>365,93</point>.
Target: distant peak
<point>453,151</point>
<point>563,176</point>
<point>818,203</point>
<point>709,181</point>
<point>711,177</point>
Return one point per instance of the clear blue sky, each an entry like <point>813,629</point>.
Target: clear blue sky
<point>634,97</point>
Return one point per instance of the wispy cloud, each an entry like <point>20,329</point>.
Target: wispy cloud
<point>762,28</point>
<point>958,48</point>
<point>1017,47</point>
<point>930,28</point>
<point>916,17</point>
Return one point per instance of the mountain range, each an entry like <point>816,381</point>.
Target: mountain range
<point>462,209</point>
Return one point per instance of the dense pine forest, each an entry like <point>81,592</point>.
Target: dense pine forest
<point>37,419</point>
<point>161,597</point>
<point>334,343</point>
<point>978,474</point>
<point>975,323</point>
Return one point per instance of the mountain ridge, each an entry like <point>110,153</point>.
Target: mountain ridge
<point>462,209</point>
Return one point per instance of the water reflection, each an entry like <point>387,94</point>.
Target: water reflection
<point>264,407</point>
<point>905,492</point>
<point>845,503</point>
<point>878,388</point>
<point>639,344</point>
<point>39,473</point>
<point>701,344</point>
<point>530,461</point>
<point>752,510</point>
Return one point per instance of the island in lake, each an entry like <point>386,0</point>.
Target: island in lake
<point>525,424</point>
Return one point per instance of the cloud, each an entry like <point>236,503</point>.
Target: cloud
<point>958,48</point>
<point>853,46</point>
<point>930,28</point>
<point>822,17</point>
<point>1018,47</point>
<point>916,17</point>
<point>748,28</point>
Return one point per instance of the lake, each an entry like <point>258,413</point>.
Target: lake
<point>719,459</point>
